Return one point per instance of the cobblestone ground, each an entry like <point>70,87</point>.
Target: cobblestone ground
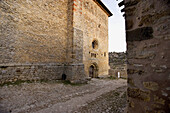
<point>98,96</point>
<point>112,102</point>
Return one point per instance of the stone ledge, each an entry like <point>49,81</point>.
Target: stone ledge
<point>140,34</point>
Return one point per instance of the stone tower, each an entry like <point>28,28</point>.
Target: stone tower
<point>50,38</point>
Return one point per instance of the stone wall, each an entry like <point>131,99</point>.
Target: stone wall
<point>90,22</point>
<point>118,63</point>
<point>95,28</point>
<point>148,49</point>
<point>48,38</point>
<point>32,72</point>
<point>34,39</point>
<point>33,31</point>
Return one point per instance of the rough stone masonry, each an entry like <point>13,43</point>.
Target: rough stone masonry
<point>118,64</point>
<point>48,39</point>
<point>148,52</point>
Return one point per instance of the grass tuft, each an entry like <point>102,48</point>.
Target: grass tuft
<point>113,78</point>
<point>18,82</point>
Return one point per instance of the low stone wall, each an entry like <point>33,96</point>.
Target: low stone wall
<point>32,72</point>
<point>118,64</point>
<point>40,71</point>
<point>115,69</point>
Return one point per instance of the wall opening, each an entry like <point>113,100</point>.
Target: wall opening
<point>64,76</point>
<point>93,55</point>
<point>93,71</point>
<point>95,44</point>
<point>105,54</point>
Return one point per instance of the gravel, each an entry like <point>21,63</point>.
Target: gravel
<point>98,96</point>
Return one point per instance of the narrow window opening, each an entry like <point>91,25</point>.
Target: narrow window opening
<point>93,55</point>
<point>64,76</point>
<point>105,54</point>
<point>95,44</point>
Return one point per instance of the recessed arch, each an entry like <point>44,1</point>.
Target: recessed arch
<point>93,70</point>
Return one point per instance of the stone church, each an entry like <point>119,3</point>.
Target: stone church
<point>53,39</point>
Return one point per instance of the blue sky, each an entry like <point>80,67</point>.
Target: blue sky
<point>117,40</point>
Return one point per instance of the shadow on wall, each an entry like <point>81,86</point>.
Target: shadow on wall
<point>148,48</point>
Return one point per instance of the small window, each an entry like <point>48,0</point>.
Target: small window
<point>99,25</point>
<point>95,44</point>
<point>64,76</point>
<point>105,54</point>
<point>93,55</point>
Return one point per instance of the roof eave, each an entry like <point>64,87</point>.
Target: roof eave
<point>100,3</point>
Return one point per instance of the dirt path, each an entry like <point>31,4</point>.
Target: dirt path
<point>60,98</point>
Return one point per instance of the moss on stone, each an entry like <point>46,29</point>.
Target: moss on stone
<point>133,71</point>
<point>151,85</point>
<point>116,93</point>
<point>17,82</point>
<point>159,100</point>
<point>112,78</point>
<point>139,94</point>
<point>131,104</point>
<point>131,82</point>
<point>67,82</point>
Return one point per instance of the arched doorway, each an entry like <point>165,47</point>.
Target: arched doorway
<point>93,71</point>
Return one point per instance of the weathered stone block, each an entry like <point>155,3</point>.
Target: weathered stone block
<point>140,34</point>
<point>129,24</point>
<point>130,11</point>
<point>159,70</point>
<point>131,104</point>
<point>139,94</point>
<point>131,3</point>
<point>164,93</point>
<point>130,81</point>
<point>156,106</point>
<point>145,55</point>
<point>133,71</point>
<point>151,85</point>
<point>150,7</point>
<point>151,18</point>
<point>159,100</point>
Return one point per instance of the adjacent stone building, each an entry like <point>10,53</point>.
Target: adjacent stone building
<point>148,53</point>
<point>48,39</point>
<point>118,64</point>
